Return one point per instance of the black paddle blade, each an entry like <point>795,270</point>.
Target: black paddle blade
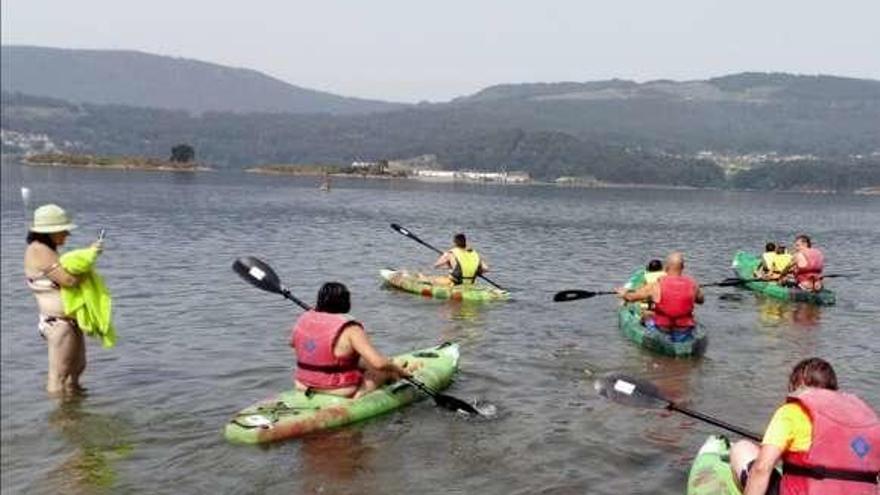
<point>258,274</point>
<point>575,294</point>
<point>401,230</point>
<point>630,391</point>
<point>455,404</point>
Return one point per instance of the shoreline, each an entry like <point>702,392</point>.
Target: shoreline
<point>122,166</point>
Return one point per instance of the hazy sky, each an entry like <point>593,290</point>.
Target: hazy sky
<point>409,50</point>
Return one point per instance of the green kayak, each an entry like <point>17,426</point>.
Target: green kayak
<point>411,282</point>
<point>744,265</point>
<point>710,473</point>
<point>293,414</point>
<point>629,320</point>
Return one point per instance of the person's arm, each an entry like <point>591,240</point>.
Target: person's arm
<point>759,474</point>
<point>359,341</point>
<point>643,293</point>
<point>50,266</point>
<point>795,262</point>
<point>484,267</point>
<point>699,297</point>
<point>443,261</point>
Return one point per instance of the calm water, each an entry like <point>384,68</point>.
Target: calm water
<point>196,343</point>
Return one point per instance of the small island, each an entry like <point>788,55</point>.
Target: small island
<point>112,162</point>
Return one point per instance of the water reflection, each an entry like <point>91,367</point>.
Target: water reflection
<point>99,442</point>
<point>332,460</point>
<point>465,321</point>
<point>773,312</point>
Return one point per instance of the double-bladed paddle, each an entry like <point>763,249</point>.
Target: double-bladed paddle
<point>635,392</point>
<point>407,233</point>
<point>262,276</point>
<point>575,294</point>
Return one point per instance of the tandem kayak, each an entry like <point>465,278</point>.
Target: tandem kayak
<point>293,413</point>
<point>411,282</point>
<point>745,264</point>
<point>710,473</point>
<point>629,321</point>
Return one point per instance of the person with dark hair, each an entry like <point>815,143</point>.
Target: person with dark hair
<point>334,355</point>
<point>828,441</point>
<point>464,263</point>
<point>653,271</point>
<point>45,277</point>
<point>765,268</point>
<point>807,264</point>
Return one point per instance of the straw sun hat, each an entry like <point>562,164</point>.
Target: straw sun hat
<point>49,219</point>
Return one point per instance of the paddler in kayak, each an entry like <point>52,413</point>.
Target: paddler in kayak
<point>820,434</point>
<point>764,269</point>
<point>334,355</point>
<point>674,296</point>
<point>463,262</point>
<point>806,265</point>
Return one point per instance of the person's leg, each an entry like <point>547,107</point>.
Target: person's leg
<point>62,343</point>
<point>742,453</point>
<point>79,364</point>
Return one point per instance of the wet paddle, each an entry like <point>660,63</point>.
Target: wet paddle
<point>575,294</point>
<point>407,233</point>
<point>635,392</point>
<point>262,276</point>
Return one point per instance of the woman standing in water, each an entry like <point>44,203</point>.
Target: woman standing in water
<point>45,276</point>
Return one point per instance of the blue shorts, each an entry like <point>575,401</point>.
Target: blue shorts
<point>675,335</point>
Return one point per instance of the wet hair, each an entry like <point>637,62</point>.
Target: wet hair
<point>333,297</point>
<point>780,249</point>
<point>805,239</point>
<point>459,240</point>
<point>42,238</point>
<point>770,247</point>
<point>654,265</point>
<point>813,372</point>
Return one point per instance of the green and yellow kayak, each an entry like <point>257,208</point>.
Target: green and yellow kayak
<point>745,264</point>
<point>629,321</point>
<point>710,473</point>
<point>293,414</point>
<point>412,282</point>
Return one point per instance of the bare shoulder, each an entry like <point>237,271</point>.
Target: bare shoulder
<point>38,256</point>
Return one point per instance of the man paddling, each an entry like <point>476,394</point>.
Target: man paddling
<point>807,264</point>
<point>463,261</point>
<point>674,297</point>
<point>829,441</point>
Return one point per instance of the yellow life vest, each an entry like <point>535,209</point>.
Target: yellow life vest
<point>781,262</point>
<point>467,266</point>
<point>651,277</point>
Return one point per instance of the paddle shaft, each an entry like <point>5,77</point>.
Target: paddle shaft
<point>709,419</point>
<point>414,237</point>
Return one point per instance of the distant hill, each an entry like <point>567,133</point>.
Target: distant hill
<point>144,80</point>
<point>773,131</point>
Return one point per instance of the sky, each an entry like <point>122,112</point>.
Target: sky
<point>406,50</point>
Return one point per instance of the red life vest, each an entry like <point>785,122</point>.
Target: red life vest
<point>676,307</point>
<point>846,437</point>
<point>314,336</point>
<point>815,264</point>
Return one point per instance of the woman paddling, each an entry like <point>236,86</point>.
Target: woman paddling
<point>333,353</point>
<point>45,276</point>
